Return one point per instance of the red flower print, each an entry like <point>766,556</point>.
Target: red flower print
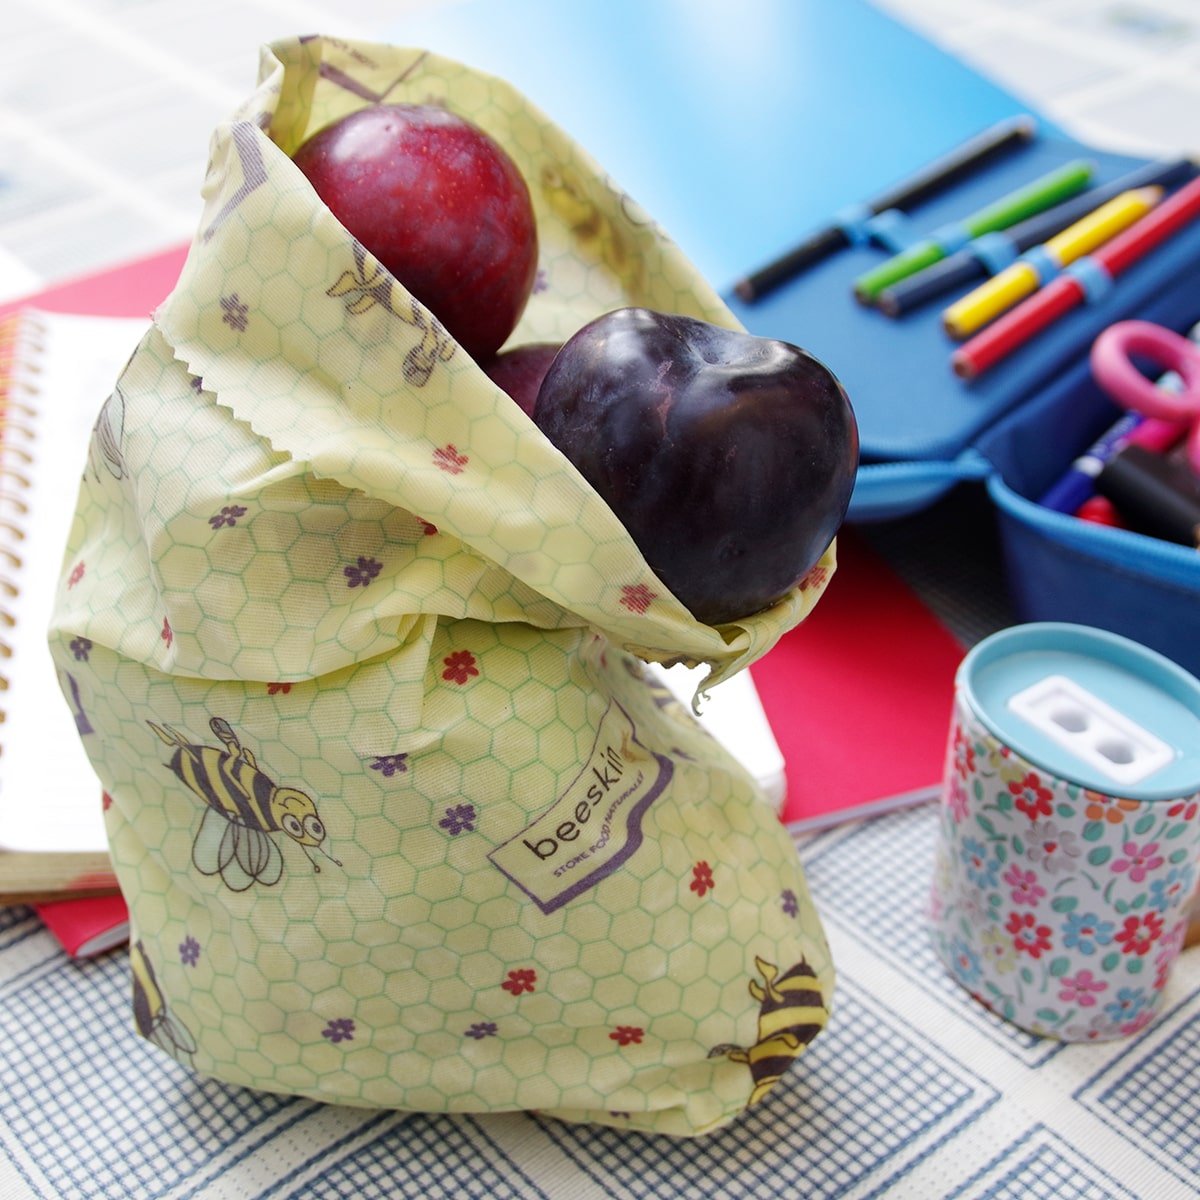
<point>1032,798</point>
<point>1139,933</point>
<point>448,459</point>
<point>625,1035</point>
<point>521,980</point>
<point>1185,810</point>
<point>105,801</point>
<point>427,527</point>
<point>1028,937</point>
<point>77,572</point>
<point>167,634</point>
<point>702,878</point>
<point>273,689</point>
<point>636,597</point>
<point>815,578</point>
<point>460,666</point>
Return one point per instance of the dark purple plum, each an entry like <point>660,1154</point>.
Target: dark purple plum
<point>520,371</point>
<point>729,458</point>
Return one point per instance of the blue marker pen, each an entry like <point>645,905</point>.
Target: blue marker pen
<point>1078,482</point>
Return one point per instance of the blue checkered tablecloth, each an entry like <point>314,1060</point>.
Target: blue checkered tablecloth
<point>912,1091</point>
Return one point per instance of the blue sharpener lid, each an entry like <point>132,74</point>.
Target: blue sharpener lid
<point>1088,705</point>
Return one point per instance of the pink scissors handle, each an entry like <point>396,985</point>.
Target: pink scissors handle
<point>1115,372</point>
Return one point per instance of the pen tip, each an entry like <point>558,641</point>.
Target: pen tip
<point>963,367</point>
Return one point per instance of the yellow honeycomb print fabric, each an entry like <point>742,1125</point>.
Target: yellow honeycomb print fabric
<point>358,657</point>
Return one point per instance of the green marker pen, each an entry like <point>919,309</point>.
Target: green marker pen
<point>1026,201</point>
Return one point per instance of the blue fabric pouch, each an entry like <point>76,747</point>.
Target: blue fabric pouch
<point>1016,428</point>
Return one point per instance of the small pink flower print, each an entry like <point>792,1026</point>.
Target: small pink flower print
<point>339,1030</point>
<point>1139,933</point>
<point>362,572</point>
<point>460,666</point>
<point>964,754</point>
<point>275,689</point>
<point>521,980</point>
<point>1031,796</point>
<point>702,878</point>
<point>815,578</point>
<point>1024,884</point>
<point>448,459</point>
<point>234,312</point>
<point>105,801</point>
<point>77,573</point>
<point>956,800</point>
<point>627,1035</point>
<point>1081,989</point>
<point>227,516</point>
<point>167,634</point>
<point>1028,937</point>
<point>1138,1023</point>
<point>636,597</point>
<point>1138,860</point>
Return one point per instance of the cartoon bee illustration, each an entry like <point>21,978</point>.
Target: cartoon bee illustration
<point>150,1014</point>
<point>792,1012</point>
<point>245,806</point>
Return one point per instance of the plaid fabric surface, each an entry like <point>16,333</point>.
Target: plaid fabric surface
<point>913,1091</point>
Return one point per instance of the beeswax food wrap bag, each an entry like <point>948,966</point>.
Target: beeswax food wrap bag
<point>358,657</point>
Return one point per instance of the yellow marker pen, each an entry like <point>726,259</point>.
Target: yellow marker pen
<point>1014,283</point>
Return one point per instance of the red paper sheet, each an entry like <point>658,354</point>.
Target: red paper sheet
<point>859,695</point>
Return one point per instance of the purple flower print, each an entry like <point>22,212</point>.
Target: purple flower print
<point>1081,989</point>
<point>481,1030</point>
<point>540,282</point>
<point>233,312</point>
<point>189,951</point>
<point>361,574</point>
<point>459,818</point>
<point>1139,860</point>
<point>390,764</point>
<point>341,1029</point>
<point>1024,884</point>
<point>81,647</point>
<point>227,516</point>
<point>788,902</point>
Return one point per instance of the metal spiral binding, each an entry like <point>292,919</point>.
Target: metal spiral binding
<point>20,346</point>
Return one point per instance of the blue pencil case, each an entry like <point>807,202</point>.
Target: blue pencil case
<point>1015,429</point>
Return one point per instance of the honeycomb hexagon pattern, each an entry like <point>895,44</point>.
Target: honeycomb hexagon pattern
<point>401,819</point>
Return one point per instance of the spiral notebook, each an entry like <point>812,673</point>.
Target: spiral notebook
<point>55,372</point>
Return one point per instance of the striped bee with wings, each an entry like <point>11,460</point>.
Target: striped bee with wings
<point>791,1013</point>
<point>151,1016</point>
<point>244,808</point>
